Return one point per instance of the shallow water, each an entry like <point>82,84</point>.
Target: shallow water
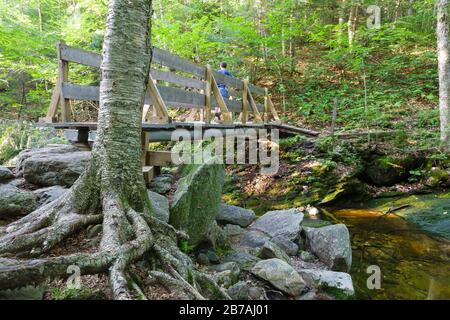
<point>414,263</point>
<point>411,245</point>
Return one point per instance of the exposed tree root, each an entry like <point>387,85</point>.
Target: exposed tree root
<point>127,236</point>
<point>111,190</point>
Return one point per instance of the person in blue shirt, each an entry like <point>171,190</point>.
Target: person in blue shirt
<point>222,88</point>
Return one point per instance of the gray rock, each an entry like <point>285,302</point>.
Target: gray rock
<point>14,201</point>
<point>49,194</point>
<point>245,260</point>
<point>24,293</point>
<point>197,199</point>
<point>307,256</point>
<point>235,215</point>
<point>270,250</point>
<point>212,256</point>
<point>280,223</point>
<point>5,174</point>
<point>310,295</point>
<point>226,278</point>
<point>216,237</point>
<point>338,284</point>
<point>202,258</point>
<point>244,291</point>
<point>54,165</point>
<point>253,239</point>
<point>290,247</point>
<point>161,184</point>
<point>281,275</point>
<point>17,182</point>
<point>232,230</point>
<point>232,266</point>
<point>160,205</point>
<point>331,245</point>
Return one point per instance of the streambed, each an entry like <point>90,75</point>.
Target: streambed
<point>408,237</point>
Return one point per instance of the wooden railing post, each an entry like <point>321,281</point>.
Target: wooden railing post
<point>63,75</point>
<point>244,114</point>
<point>256,114</point>
<point>266,106</point>
<point>207,110</point>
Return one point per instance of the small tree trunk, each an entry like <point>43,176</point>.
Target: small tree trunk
<point>40,16</point>
<point>444,69</point>
<point>352,23</point>
<point>341,20</point>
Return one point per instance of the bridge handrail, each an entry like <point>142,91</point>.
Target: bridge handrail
<point>160,96</point>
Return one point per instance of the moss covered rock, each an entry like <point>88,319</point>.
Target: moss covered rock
<point>388,170</point>
<point>5,174</point>
<point>197,200</point>
<point>14,201</point>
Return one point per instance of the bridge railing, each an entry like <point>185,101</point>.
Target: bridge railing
<point>173,82</point>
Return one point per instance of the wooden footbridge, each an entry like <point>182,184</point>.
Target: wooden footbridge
<point>180,95</point>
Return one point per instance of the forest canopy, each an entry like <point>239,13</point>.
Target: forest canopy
<point>307,52</point>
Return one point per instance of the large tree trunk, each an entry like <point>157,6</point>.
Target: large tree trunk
<point>112,189</point>
<point>444,69</point>
<point>125,68</point>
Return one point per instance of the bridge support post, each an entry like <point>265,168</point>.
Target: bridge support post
<point>147,171</point>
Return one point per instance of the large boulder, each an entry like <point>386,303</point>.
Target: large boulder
<point>197,199</point>
<point>235,215</point>
<point>14,201</point>
<point>284,223</point>
<point>5,174</point>
<point>49,194</point>
<point>281,275</point>
<point>160,205</point>
<point>331,245</point>
<point>52,165</point>
<point>338,284</point>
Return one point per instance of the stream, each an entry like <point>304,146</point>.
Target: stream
<point>414,263</point>
<point>407,237</point>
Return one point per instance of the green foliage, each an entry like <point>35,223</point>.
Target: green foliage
<point>337,150</point>
<point>186,247</point>
<point>71,293</point>
<point>386,78</point>
<point>16,136</point>
<point>415,175</point>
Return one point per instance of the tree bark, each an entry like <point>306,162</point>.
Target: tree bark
<point>442,30</point>
<point>112,189</point>
<point>352,23</point>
